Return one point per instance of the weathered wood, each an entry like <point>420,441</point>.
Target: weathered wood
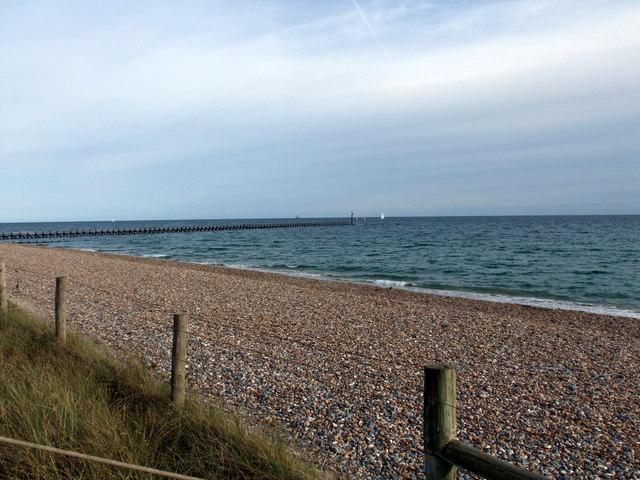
<point>4,294</point>
<point>179,358</point>
<point>92,458</point>
<point>61,308</point>
<point>439,420</point>
<point>485,465</point>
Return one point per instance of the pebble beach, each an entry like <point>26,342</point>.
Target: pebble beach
<point>339,366</point>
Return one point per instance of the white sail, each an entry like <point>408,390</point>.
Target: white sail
<point>382,216</point>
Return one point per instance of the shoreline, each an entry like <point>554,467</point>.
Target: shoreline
<point>339,364</point>
<point>539,302</point>
<point>533,302</point>
<point>496,297</point>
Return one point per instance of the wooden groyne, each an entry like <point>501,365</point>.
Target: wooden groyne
<point>144,231</point>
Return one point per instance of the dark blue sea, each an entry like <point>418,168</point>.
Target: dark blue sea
<point>577,262</point>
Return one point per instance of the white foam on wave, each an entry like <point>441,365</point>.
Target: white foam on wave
<point>491,297</point>
<point>291,270</point>
<point>500,298</point>
<point>536,302</point>
<point>155,255</point>
<point>240,266</point>
<point>390,283</point>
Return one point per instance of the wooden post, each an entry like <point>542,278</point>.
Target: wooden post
<point>439,420</point>
<point>3,289</point>
<point>179,358</point>
<point>61,308</point>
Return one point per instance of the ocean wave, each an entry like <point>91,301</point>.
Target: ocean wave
<point>391,283</point>
<point>535,302</point>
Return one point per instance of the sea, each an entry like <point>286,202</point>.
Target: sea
<point>589,263</point>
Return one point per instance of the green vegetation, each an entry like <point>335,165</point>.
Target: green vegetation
<point>75,396</point>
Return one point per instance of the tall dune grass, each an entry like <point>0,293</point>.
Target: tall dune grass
<point>77,397</point>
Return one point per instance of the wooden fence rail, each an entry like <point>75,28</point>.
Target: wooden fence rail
<point>443,452</point>
<point>92,458</point>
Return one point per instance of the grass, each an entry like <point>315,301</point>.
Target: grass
<point>77,397</point>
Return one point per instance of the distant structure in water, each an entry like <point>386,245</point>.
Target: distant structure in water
<point>33,235</point>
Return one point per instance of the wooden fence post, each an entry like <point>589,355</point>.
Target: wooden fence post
<point>439,420</point>
<point>179,358</point>
<point>3,289</point>
<point>61,308</point>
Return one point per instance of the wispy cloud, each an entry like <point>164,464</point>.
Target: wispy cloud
<point>370,28</point>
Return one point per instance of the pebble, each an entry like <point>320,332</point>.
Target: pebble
<point>340,365</point>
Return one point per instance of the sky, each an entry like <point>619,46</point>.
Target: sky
<point>275,108</point>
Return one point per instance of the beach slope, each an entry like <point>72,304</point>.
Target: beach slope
<point>340,365</point>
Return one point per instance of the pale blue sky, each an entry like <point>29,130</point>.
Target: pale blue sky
<point>264,108</point>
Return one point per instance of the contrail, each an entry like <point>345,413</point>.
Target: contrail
<point>370,27</point>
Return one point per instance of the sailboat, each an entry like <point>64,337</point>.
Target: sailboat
<point>382,216</point>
